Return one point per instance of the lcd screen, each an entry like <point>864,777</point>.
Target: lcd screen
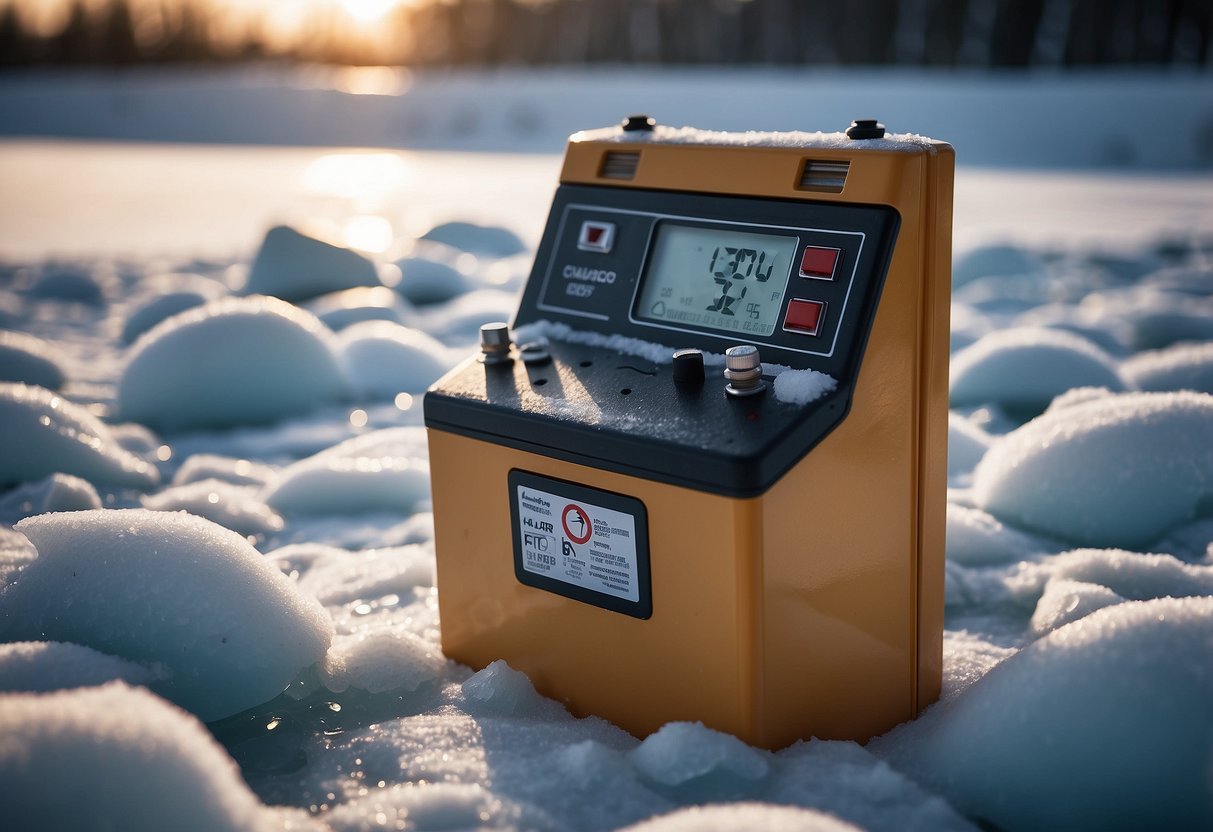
<point>716,278</point>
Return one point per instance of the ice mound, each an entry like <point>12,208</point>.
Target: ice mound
<point>293,266</point>
<point>150,586</point>
<point>500,690</point>
<point>1111,471</point>
<point>41,666</point>
<point>967,325</point>
<point>1132,575</point>
<point>15,552</point>
<point>1181,367</point>
<point>58,492</point>
<point>454,806</point>
<point>743,817</point>
<point>698,763</point>
<point>967,444</point>
<point>1022,369</point>
<point>29,360</point>
<point>365,303</point>
<point>994,261</point>
<point>1165,323</point>
<point>385,661</point>
<point>228,469</point>
<point>234,507</point>
<point>385,470</point>
<point>337,576</point>
<point>803,386</point>
<point>424,281</point>
<point>975,538</point>
<point>68,283</point>
<point>460,320</point>
<point>44,433</point>
<point>232,362</point>
<point>120,758</point>
<point>845,780</point>
<point>381,359</point>
<point>1064,601</point>
<point>489,240</point>
<point>1102,724</point>
<point>157,309</point>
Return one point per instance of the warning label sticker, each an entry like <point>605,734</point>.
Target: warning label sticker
<point>577,542</point>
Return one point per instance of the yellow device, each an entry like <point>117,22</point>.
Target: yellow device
<point>652,542</point>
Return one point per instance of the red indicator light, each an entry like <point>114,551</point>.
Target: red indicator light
<point>819,262</point>
<point>804,316</point>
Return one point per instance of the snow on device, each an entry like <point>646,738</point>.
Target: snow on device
<point>760,546</point>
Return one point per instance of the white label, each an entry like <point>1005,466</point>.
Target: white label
<point>578,543</point>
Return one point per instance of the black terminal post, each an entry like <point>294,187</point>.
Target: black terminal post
<point>639,122</point>
<point>865,128</point>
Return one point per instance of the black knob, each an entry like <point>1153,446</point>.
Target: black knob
<point>688,367</point>
<point>865,128</point>
<point>639,121</point>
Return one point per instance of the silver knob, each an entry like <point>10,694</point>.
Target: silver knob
<point>495,343</point>
<point>743,371</point>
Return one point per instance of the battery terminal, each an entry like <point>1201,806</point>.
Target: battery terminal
<point>743,370</point>
<point>495,343</point>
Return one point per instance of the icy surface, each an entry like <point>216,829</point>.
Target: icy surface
<point>58,492</point>
<point>29,360</point>
<point>45,433</point>
<point>170,588</point>
<point>1113,471</point>
<point>41,666</point>
<point>133,762</point>
<point>293,266</point>
<point>231,362</point>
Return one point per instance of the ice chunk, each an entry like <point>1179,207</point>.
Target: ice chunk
<point>492,241</point>
<point>379,662</point>
<point>235,507</point>
<point>1064,601</point>
<point>232,362</point>
<point>424,281</point>
<point>293,266</point>
<point>228,469</point>
<point>802,386</point>
<point>967,444</point>
<point>1102,724</point>
<point>385,470</point>
<point>134,763</point>
<point>157,309</point>
<point>461,318</point>
<point>500,690</point>
<point>41,666</point>
<point>1181,367</point>
<point>58,492</point>
<point>975,538</point>
<point>1022,369</point>
<point>743,817</point>
<point>365,303</point>
<point>696,762</point>
<point>994,261</point>
<point>381,359</point>
<point>1113,471</point>
<point>15,552</point>
<point>157,587</point>
<point>29,360</point>
<point>44,433</point>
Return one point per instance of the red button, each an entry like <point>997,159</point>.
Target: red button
<point>819,262</point>
<point>804,316</point>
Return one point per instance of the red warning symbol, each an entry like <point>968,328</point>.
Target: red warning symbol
<point>576,523</point>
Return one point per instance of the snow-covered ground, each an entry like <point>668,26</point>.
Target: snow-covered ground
<point>218,606</point>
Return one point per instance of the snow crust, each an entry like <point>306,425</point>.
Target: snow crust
<point>245,361</point>
<point>41,666</point>
<point>58,492</point>
<point>169,588</point>
<point>662,134</point>
<point>44,434</point>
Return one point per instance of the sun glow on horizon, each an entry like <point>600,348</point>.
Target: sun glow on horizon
<point>368,11</point>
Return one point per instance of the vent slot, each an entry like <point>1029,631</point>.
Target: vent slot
<point>619,164</point>
<point>820,175</point>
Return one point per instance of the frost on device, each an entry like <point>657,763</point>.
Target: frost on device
<point>755,546</point>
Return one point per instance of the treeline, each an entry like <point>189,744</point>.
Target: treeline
<point>961,33</point>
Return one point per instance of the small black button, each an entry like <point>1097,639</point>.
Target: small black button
<point>639,121</point>
<point>865,128</point>
<point>688,367</point>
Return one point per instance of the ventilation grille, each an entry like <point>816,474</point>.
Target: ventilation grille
<point>819,175</point>
<point>619,164</point>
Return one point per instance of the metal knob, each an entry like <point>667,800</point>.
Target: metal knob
<point>495,343</point>
<point>743,370</point>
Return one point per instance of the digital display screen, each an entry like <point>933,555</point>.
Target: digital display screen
<point>716,278</point>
